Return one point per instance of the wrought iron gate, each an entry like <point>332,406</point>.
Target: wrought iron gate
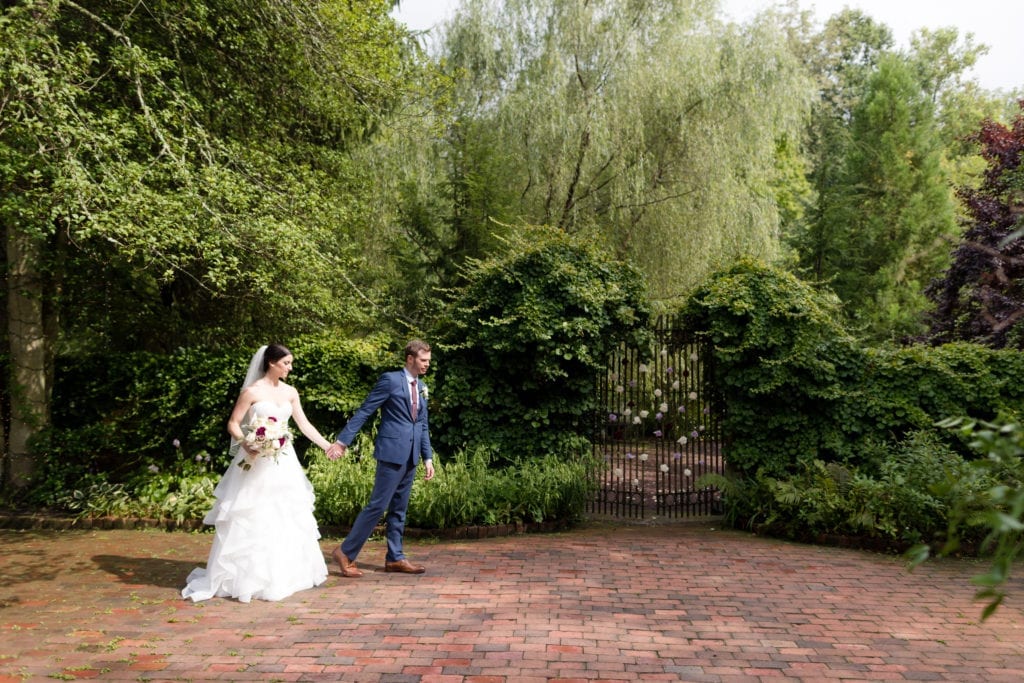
<point>658,430</point>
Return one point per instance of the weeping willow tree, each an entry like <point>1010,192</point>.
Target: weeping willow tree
<point>648,126</point>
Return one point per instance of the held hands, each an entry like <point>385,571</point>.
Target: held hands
<point>336,450</point>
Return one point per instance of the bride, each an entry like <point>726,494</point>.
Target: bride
<point>266,544</point>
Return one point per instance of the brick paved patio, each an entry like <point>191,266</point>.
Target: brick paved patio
<point>685,602</point>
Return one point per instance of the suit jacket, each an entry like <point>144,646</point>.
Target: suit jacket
<point>398,435</point>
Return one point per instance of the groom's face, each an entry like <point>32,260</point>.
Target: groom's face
<point>418,364</point>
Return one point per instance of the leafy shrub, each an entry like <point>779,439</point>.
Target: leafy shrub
<point>179,496</point>
<point>783,363</point>
<point>333,375</point>
<point>97,497</point>
<point>989,500</point>
<point>183,493</point>
<point>826,437</point>
<point>342,486</point>
<point>548,488</point>
<point>459,494</point>
<point>915,387</point>
<point>900,494</point>
<point>466,490</point>
<point>523,341</point>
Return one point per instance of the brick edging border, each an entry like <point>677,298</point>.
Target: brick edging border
<point>33,521</point>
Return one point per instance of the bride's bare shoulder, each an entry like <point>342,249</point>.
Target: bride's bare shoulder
<point>255,392</point>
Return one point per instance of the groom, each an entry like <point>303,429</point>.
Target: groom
<point>402,439</point>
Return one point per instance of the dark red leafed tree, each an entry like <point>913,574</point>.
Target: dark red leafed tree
<point>981,297</point>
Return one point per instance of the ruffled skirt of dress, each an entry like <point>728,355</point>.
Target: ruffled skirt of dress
<point>266,542</point>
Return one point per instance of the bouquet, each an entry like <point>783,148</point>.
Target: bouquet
<point>268,435</point>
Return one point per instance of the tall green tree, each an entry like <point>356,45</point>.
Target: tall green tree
<point>891,206</point>
<point>941,60</point>
<point>884,145</point>
<point>649,127</point>
<point>175,174</point>
<point>841,57</point>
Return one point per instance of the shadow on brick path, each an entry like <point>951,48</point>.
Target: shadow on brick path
<point>603,602</point>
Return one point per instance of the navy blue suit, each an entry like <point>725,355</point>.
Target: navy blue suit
<point>400,444</point>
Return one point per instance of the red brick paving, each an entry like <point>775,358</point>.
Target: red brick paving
<point>685,602</point>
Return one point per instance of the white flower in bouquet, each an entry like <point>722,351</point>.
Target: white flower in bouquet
<point>267,436</point>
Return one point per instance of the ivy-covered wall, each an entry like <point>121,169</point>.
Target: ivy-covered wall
<point>798,387</point>
<point>523,342</point>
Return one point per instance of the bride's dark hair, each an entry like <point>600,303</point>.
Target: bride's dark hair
<point>274,352</point>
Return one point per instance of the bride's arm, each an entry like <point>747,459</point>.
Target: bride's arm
<point>304,424</point>
<point>238,414</point>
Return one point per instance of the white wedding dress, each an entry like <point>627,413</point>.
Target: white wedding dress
<point>266,544</point>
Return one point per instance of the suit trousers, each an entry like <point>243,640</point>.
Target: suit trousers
<point>392,486</point>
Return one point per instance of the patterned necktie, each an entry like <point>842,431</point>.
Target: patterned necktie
<point>415,402</point>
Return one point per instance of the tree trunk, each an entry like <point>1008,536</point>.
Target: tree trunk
<point>4,406</point>
<point>29,382</point>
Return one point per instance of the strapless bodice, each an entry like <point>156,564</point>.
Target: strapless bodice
<point>282,411</point>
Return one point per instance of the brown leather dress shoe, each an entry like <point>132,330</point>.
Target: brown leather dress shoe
<point>348,567</point>
<point>405,567</point>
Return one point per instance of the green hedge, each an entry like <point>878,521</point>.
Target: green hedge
<point>798,387</point>
<point>142,413</point>
<point>827,437</point>
<point>518,351</point>
<point>144,435</point>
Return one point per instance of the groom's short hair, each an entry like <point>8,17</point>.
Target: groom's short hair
<point>416,347</point>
